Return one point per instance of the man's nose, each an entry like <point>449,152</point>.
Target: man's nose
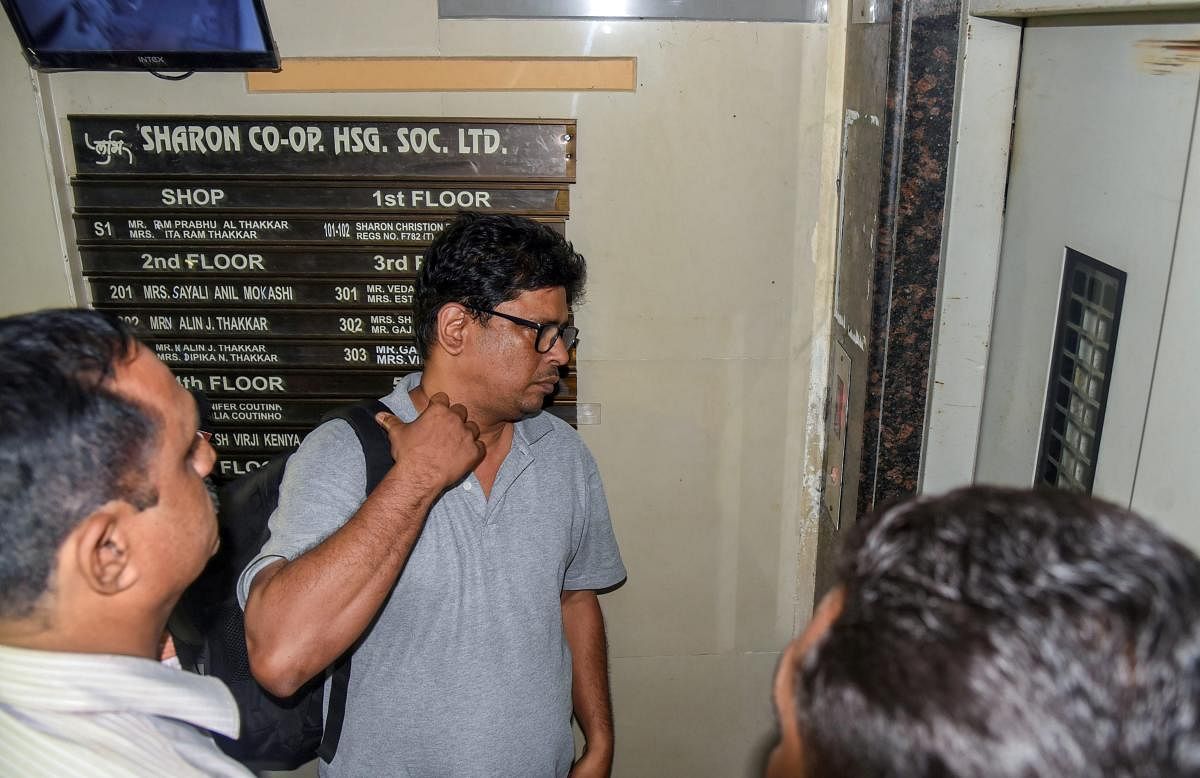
<point>558,354</point>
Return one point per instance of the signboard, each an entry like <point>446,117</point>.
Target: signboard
<point>251,440</point>
<point>235,382</point>
<point>229,466</point>
<point>176,292</point>
<point>283,383</point>
<point>261,323</point>
<point>262,228</point>
<point>467,149</point>
<point>278,261</point>
<point>271,261</point>
<point>384,196</point>
<point>313,354</point>
<point>255,412</point>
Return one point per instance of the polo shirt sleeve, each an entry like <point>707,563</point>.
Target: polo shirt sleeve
<point>323,485</point>
<point>596,562</point>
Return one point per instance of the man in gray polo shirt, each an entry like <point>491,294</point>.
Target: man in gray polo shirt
<point>473,594</point>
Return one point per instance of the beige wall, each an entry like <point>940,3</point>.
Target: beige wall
<point>33,270</point>
<point>697,206</point>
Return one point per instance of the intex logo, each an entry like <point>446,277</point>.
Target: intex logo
<point>152,60</point>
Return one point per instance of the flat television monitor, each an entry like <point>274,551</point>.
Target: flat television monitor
<point>166,35</point>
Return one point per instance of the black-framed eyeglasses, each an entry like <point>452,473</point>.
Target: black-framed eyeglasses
<point>547,334</point>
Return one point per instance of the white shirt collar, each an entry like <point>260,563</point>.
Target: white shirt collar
<point>98,683</point>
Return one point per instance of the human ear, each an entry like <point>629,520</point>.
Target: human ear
<point>452,323</point>
<point>104,549</point>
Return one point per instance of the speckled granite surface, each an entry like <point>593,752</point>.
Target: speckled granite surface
<point>920,99</point>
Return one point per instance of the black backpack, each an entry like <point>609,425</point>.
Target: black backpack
<point>209,633</point>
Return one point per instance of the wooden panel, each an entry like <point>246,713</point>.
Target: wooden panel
<point>449,74</point>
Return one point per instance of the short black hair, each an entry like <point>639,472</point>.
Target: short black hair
<point>68,443</point>
<point>482,261</point>
<point>998,632</point>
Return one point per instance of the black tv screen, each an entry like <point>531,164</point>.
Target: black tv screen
<point>168,35</point>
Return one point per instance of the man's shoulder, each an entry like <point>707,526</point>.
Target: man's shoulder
<point>52,743</point>
<point>558,445</point>
<point>61,682</point>
<point>326,448</point>
<point>331,439</point>
<point>335,437</point>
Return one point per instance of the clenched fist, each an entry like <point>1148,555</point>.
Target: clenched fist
<point>439,447</point>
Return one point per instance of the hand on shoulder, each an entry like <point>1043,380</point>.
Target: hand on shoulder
<point>439,447</point>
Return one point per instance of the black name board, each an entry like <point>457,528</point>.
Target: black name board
<point>263,228</point>
<point>324,196</point>
<point>281,383</point>
<point>235,413</point>
<point>289,383</point>
<point>261,292</point>
<point>242,441</point>
<point>278,261</point>
<point>472,150</point>
<point>313,354</point>
<point>230,466</point>
<point>271,261</point>
<point>262,323</point>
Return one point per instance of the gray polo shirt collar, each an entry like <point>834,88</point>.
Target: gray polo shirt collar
<point>525,432</point>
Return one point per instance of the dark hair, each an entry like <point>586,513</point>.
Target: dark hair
<point>484,260</point>
<point>68,443</point>
<point>996,632</point>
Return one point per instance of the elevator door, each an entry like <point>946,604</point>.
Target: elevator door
<point>1106,122</point>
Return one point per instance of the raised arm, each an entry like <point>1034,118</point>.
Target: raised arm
<point>301,615</point>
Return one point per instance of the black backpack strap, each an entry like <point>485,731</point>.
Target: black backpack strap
<point>377,451</point>
<point>335,715</point>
